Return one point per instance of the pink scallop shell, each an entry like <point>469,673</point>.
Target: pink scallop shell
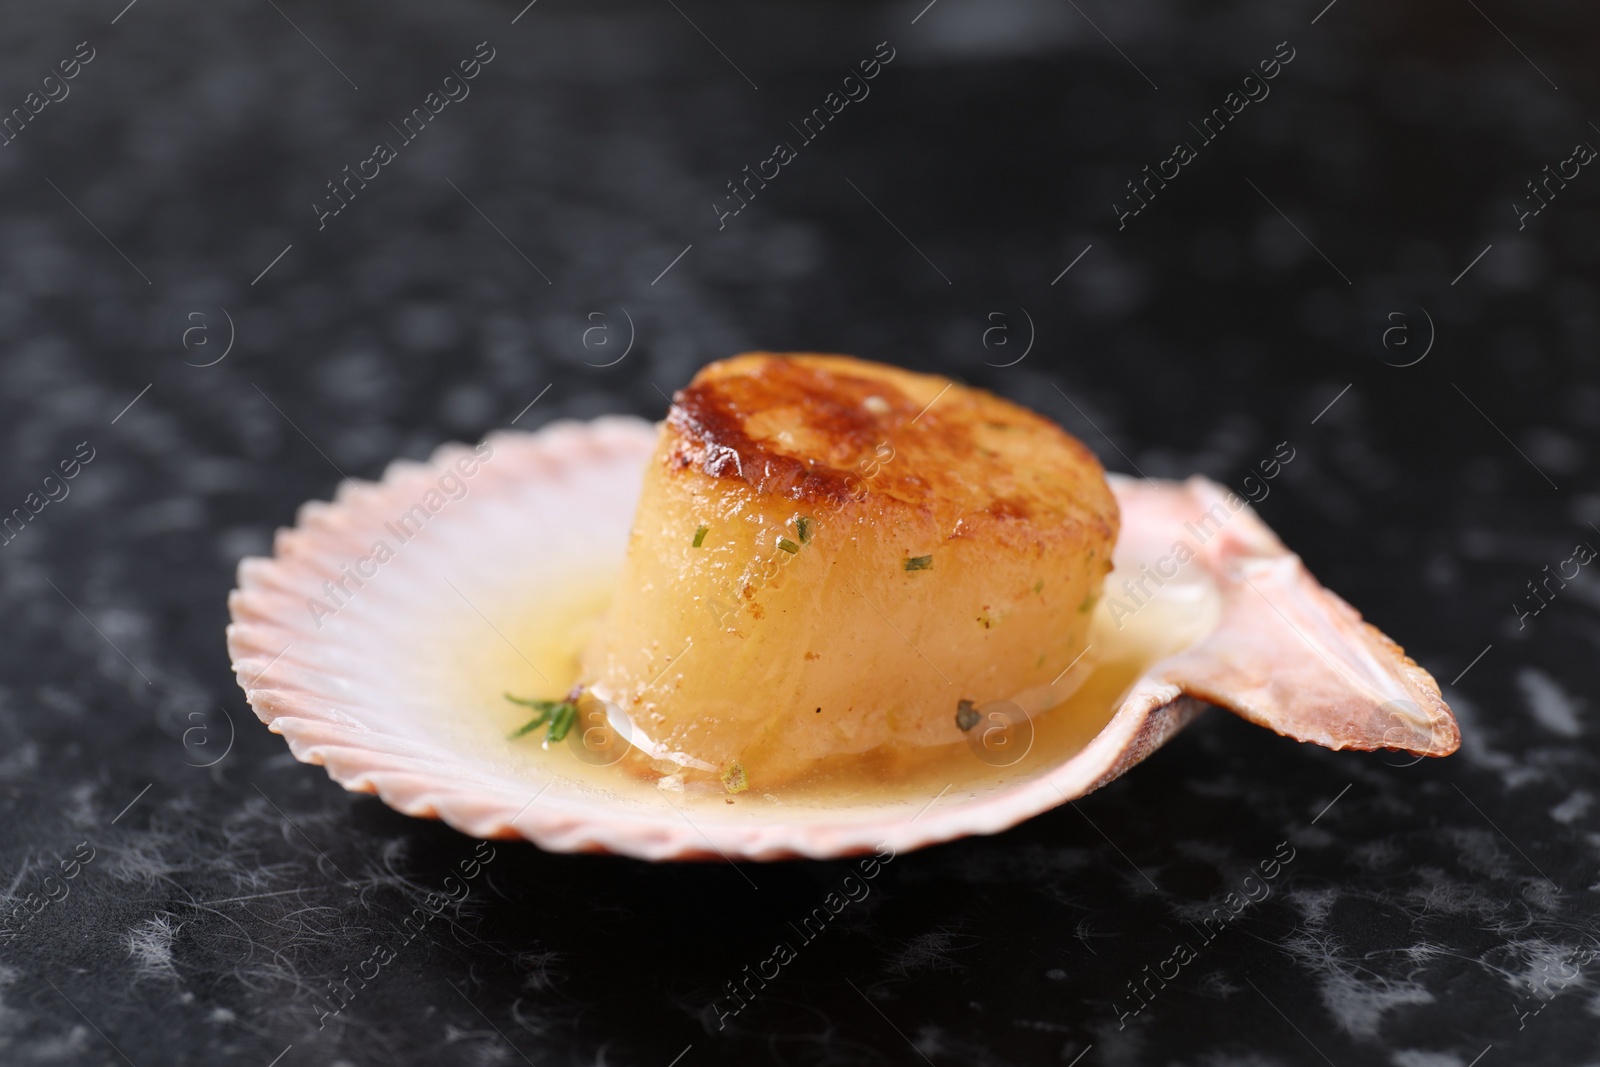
<point>353,694</point>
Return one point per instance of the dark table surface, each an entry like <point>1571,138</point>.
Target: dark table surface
<point>1352,264</point>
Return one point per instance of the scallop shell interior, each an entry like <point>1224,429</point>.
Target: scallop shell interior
<point>380,636</point>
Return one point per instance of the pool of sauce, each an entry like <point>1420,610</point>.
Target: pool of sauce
<point>539,658</point>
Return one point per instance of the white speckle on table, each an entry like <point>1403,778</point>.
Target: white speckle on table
<point>1416,1057</point>
<point>150,948</point>
<point>1552,707</point>
<point>1355,996</point>
<point>1573,808</point>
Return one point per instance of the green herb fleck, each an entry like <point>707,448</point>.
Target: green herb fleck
<point>1088,602</point>
<point>700,537</point>
<point>802,527</point>
<point>966,715</point>
<point>1038,587</point>
<point>559,715</point>
<point>734,780</point>
<point>919,563</point>
<point>788,545</point>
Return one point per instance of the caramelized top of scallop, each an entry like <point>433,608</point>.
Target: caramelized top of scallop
<point>833,429</point>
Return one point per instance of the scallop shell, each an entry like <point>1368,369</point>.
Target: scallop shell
<point>370,685</point>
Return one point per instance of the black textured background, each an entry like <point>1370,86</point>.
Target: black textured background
<point>1438,915</point>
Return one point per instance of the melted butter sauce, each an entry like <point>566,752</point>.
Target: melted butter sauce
<point>540,659</point>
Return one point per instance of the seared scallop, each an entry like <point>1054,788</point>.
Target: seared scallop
<point>831,555</point>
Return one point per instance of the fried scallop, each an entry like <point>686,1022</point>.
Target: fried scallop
<point>832,555</point>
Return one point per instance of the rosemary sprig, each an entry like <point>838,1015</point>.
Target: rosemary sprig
<point>558,715</point>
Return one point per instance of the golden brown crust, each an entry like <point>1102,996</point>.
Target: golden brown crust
<point>712,415</point>
<point>833,429</point>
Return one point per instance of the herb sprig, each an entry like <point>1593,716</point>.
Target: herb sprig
<point>559,715</point>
